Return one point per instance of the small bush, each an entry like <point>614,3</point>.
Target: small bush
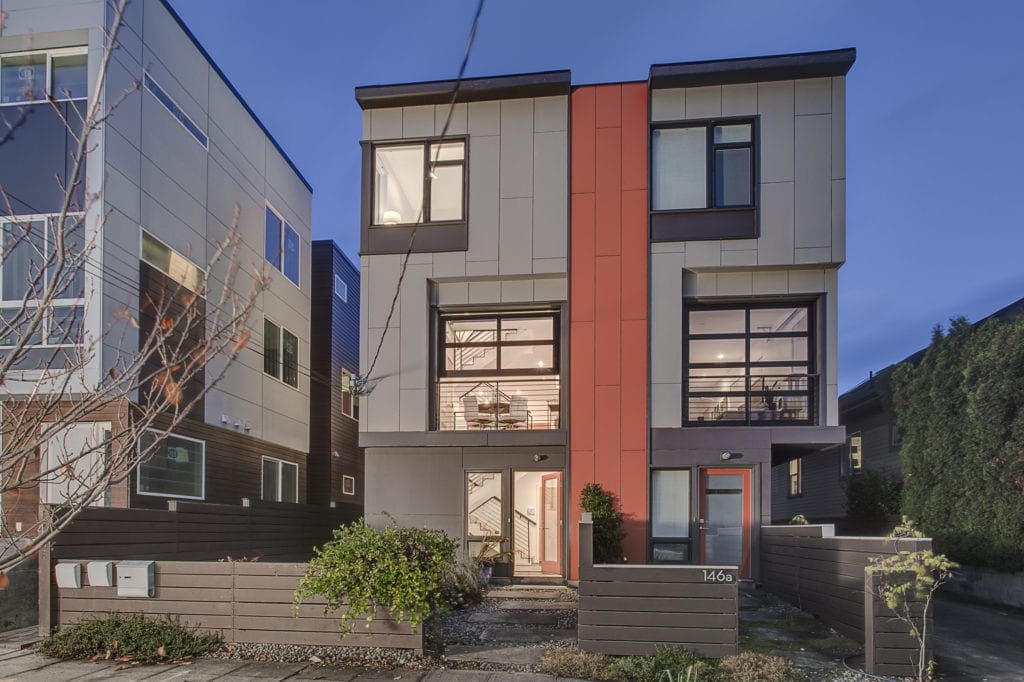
<point>667,663</point>
<point>575,664</point>
<point>754,667</point>
<point>608,532</point>
<point>463,587</point>
<point>128,637</point>
<point>406,570</point>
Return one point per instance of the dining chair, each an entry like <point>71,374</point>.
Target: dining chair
<point>517,412</point>
<point>472,415</point>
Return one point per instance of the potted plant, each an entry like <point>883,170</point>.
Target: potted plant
<point>489,554</point>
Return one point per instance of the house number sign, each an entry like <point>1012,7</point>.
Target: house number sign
<point>719,576</point>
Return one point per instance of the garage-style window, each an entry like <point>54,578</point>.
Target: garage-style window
<point>172,466</point>
<point>419,182</point>
<point>708,165</point>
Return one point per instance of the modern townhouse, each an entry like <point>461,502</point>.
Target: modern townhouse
<point>179,152</point>
<point>632,284</point>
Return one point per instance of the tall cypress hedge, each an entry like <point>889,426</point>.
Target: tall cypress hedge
<point>961,413</point>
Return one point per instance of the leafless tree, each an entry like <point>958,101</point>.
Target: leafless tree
<point>142,370</point>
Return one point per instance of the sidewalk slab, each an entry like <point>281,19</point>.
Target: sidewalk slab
<point>200,670</point>
<point>260,670</point>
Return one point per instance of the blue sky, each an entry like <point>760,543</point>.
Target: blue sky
<point>934,110</point>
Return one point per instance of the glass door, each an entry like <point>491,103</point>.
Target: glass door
<point>537,528</point>
<point>725,518</point>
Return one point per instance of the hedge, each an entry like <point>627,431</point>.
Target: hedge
<point>961,413</point>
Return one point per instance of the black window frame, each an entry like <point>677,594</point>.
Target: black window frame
<point>443,345</point>
<point>811,334</point>
<point>428,163</point>
<point>710,148</point>
<point>689,541</point>
<point>281,368</point>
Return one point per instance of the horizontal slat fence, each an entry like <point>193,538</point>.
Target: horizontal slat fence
<point>825,575</point>
<point>196,531</point>
<point>632,609</point>
<point>244,602</point>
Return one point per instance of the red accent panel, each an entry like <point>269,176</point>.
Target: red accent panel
<point>608,296</point>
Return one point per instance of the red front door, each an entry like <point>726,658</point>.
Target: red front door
<point>725,518</point>
<point>551,523</point>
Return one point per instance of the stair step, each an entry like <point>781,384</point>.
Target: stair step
<point>523,636</point>
<point>525,593</point>
<point>490,653</point>
<point>514,618</point>
<point>531,605</point>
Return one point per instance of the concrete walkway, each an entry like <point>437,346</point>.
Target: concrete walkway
<point>24,666</point>
<point>978,642</point>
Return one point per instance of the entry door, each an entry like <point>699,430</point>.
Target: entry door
<point>725,518</point>
<point>551,523</point>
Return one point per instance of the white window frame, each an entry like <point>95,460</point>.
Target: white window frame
<point>204,143</point>
<point>50,54</point>
<point>57,302</point>
<point>341,293</point>
<point>143,232</point>
<point>280,479</point>
<point>859,465</point>
<point>797,475</point>
<point>163,435</point>
<point>281,329</point>
<point>346,387</point>
<point>280,243</point>
<point>47,487</point>
<point>345,479</point>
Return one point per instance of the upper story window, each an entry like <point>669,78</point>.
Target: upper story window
<point>173,466</point>
<point>280,353</point>
<point>281,246</point>
<point>856,453</point>
<point>702,166</point>
<point>498,371</point>
<point>176,111</point>
<point>349,402</point>
<point>34,77</point>
<point>796,477</point>
<point>28,268</point>
<point>750,364</point>
<point>419,182</point>
<point>171,263</point>
<point>340,288</point>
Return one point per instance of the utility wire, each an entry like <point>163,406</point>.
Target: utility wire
<point>360,384</point>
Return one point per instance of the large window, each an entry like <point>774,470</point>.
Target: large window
<point>281,246</point>
<point>76,458</point>
<point>750,364</point>
<point>707,165</point>
<point>498,371</point>
<point>30,77</point>
<point>670,515</point>
<point>280,353</point>
<point>280,480</point>
<point>172,466</point>
<point>419,182</point>
<point>171,263</point>
<point>31,246</point>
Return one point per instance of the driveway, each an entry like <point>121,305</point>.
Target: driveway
<point>978,642</point>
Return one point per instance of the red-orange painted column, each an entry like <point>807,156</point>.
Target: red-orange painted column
<point>609,302</point>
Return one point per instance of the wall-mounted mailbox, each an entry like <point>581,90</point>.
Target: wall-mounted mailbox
<point>101,573</point>
<point>69,575</point>
<point>136,579</point>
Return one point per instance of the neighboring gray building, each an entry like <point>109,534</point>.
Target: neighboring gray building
<point>175,158</point>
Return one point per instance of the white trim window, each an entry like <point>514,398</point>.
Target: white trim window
<point>175,466</point>
<point>348,485</point>
<point>175,110</point>
<point>340,288</point>
<point>77,456</point>
<point>29,77</point>
<point>280,480</point>
<point>171,263</point>
<point>349,401</point>
<point>27,247</point>
<point>856,445</point>
<point>280,353</point>
<point>281,245</point>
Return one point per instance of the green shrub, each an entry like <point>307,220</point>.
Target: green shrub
<point>872,498</point>
<point>409,571</point>
<point>574,664</point>
<point>608,532</point>
<point>754,667</point>
<point>961,415</point>
<point>129,637</point>
<point>667,663</point>
<point>464,587</point>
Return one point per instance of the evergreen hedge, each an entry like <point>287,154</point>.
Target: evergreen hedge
<point>961,413</point>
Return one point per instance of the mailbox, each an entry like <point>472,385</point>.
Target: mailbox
<point>101,573</point>
<point>136,579</point>
<point>69,575</point>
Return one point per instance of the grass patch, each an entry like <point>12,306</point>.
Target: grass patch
<point>128,638</point>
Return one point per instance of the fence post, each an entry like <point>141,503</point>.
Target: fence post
<point>586,545</point>
<point>46,597</point>
<point>869,622</point>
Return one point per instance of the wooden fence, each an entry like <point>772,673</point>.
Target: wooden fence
<point>244,602</point>
<point>825,575</point>
<point>631,609</point>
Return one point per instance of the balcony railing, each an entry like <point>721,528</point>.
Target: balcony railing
<point>493,404</point>
<point>759,400</point>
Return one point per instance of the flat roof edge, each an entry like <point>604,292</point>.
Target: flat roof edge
<point>540,84</point>
<point>753,69</point>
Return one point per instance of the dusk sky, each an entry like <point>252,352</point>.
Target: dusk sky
<point>934,104</point>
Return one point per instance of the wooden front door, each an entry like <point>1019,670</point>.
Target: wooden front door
<point>725,518</point>
<point>551,523</point>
